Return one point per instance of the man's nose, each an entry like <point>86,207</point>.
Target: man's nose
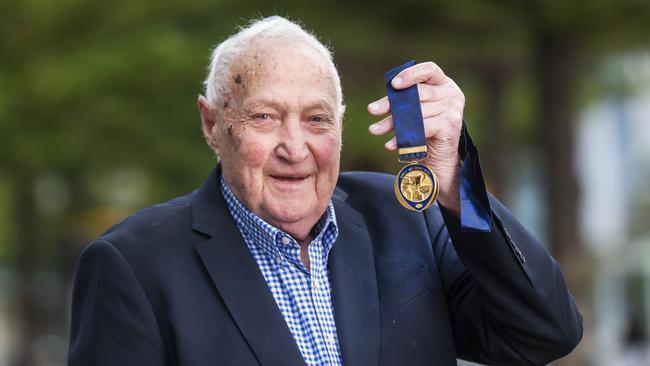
<point>292,145</point>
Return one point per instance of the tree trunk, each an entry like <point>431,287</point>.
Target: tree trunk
<point>25,253</point>
<point>497,139</point>
<point>557,67</point>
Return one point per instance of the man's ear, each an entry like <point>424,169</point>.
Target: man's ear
<point>208,123</point>
<point>341,115</point>
<point>341,112</point>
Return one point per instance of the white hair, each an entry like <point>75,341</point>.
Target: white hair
<point>274,29</point>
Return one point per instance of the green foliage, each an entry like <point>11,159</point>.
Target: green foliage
<point>90,87</point>
<point>98,98</point>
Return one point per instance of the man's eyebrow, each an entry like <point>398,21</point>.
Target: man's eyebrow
<point>263,102</point>
<point>322,103</point>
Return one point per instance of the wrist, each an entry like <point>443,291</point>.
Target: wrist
<point>450,200</point>
<point>449,188</point>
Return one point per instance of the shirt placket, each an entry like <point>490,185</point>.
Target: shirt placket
<point>295,272</point>
<point>321,303</point>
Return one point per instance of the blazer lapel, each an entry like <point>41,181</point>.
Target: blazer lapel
<point>354,289</point>
<point>239,281</point>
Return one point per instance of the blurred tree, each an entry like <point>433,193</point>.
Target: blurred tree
<point>95,88</point>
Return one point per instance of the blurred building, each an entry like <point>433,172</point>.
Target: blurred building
<point>613,156</point>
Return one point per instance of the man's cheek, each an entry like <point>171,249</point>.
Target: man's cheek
<point>330,149</point>
<point>253,153</point>
<point>248,149</point>
<point>333,144</point>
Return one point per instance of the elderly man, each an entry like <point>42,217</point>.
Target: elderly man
<point>279,260</point>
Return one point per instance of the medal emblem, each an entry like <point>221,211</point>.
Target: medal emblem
<point>416,186</point>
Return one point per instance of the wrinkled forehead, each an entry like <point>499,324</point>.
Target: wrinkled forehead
<point>263,68</point>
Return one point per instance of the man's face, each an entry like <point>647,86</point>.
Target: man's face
<point>279,134</point>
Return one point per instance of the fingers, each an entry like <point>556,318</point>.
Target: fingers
<point>379,107</point>
<point>382,127</point>
<point>425,72</point>
<point>446,124</point>
<point>441,101</point>
<point>391,144</point>
<point>432,93</point>
<point>429,109</point>
<point>427,93</point>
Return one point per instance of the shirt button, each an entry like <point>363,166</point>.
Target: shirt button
<point>286,241</point>
<point>315,284</point>
<point>331,340</point>
<point>278,259</point>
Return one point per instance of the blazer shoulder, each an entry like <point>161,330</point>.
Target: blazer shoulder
<point>151,227</point>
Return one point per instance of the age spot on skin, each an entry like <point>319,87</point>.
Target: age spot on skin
<point>238,79</point>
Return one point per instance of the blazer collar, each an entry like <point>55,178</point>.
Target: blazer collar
<point>354,288</point>
<point>240,283</point>
<point>209,210</point>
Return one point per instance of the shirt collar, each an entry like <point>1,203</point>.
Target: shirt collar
<point>252,226</point>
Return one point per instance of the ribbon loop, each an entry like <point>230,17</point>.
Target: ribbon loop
<point>407,118</point>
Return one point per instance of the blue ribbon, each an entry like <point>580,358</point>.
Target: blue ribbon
<point>407,115</point>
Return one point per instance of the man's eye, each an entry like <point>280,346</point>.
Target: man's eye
<point>319,118</point>
<point>262,116</point>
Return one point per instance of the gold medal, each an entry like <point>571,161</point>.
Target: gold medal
<point>416,187</point>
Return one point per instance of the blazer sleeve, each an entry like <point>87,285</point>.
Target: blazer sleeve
<point>112,320</point>
<point>507,296</point>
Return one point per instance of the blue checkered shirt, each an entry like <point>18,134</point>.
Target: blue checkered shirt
<point>303,296</point>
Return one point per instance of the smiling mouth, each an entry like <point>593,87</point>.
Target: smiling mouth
<point>289,179</point>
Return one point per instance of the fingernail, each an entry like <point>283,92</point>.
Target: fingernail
<point>374,107</point>
<point>373,127</point>
<point>398,81</point>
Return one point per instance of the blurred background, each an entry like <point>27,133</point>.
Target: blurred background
<point>98,119</point>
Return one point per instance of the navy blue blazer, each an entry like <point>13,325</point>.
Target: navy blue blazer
<point>176,285</point>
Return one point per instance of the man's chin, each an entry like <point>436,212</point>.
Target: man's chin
<point>290,212</point>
